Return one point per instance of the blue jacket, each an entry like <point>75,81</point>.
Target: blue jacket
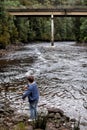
<point>32,92</point>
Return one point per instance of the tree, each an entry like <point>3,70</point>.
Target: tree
<point>63,29</point>
<point>83,29</point>
<point>85,2</point>
<point>76,28</point>
<point>41,1</point>
<point>22,25</point>
<point>39,28</point>
<point>4,33</point>
<point>12,30</point>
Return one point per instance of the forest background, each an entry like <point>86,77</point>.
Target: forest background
<point>26,29</point>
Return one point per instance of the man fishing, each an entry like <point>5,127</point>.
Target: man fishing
<point>32,92</point>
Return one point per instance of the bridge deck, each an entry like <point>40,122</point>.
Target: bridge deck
<point>48,12</point>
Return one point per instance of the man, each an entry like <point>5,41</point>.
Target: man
<point>33,96</point>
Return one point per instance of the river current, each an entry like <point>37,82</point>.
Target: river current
<point>60,72</point>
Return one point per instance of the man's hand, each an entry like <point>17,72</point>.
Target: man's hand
<point>20,92</point>
<point>25,88</point>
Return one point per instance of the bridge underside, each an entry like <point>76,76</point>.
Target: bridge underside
<point>69,12</point>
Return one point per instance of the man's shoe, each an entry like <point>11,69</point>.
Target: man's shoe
<point>30,120</point>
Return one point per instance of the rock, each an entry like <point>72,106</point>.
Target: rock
<point>1,105</point>
<point>57,116</point>
<point>55,110</point>
<point>9,124</point>
<point>1,111</point>
<point>19,118</point>
<point>22,126</point>
<point>1,120</point>
<point>38,129</point>
<point>57,120</point>
<point>73,120</point>
<point>85,105</point>
<point>84,123</point>
<point>29,127</point>
<point>54,120</point>
<point>51,115</point>
<point>50,126</point>
<point>57,125</point>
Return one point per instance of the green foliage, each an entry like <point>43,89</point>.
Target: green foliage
<point>13,30</point>
<point>4,39</point>
<point>42,29</point>
<point>76,28</point>
<point>40,122</point>
<point>20,126</point>
<point>39,29</point>
<point>22,25</point>
<point>63,29</point>
<point>11,3</point>
<point>43,3</point>
<point>83,29</point>
<point>46,30</point>
<point>4,34</point>
<point>25,2</point>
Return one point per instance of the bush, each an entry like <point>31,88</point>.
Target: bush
<point>4,40</point>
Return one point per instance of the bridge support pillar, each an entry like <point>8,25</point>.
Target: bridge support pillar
<point>52,30</point>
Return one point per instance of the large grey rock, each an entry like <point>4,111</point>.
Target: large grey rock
<point>55,110</point>
<point>85,105</point>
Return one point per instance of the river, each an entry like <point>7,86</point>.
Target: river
<point>61,74</point>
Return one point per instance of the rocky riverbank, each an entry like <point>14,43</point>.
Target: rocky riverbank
<point>10,49</point>
<point>53,120</point>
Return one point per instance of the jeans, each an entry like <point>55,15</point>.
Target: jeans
<point>33,110</point>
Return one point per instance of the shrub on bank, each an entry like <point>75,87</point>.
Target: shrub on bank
<point>4,40</point>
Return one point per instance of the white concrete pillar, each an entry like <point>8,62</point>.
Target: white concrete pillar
<point>52,30</point>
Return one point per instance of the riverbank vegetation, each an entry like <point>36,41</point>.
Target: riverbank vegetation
<point>16,30</point>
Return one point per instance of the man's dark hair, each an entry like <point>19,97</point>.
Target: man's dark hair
<point>30,79</point>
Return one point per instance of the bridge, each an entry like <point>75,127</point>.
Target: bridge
<point>49,12</point>
<point>60,11</point>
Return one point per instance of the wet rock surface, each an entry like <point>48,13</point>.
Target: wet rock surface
<point>57,120</point>
<point>54,120</point>
<point>9,117</point>
<point>61,74</point>
<point>10,49</point>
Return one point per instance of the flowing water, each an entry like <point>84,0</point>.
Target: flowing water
<point>61,74</point>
